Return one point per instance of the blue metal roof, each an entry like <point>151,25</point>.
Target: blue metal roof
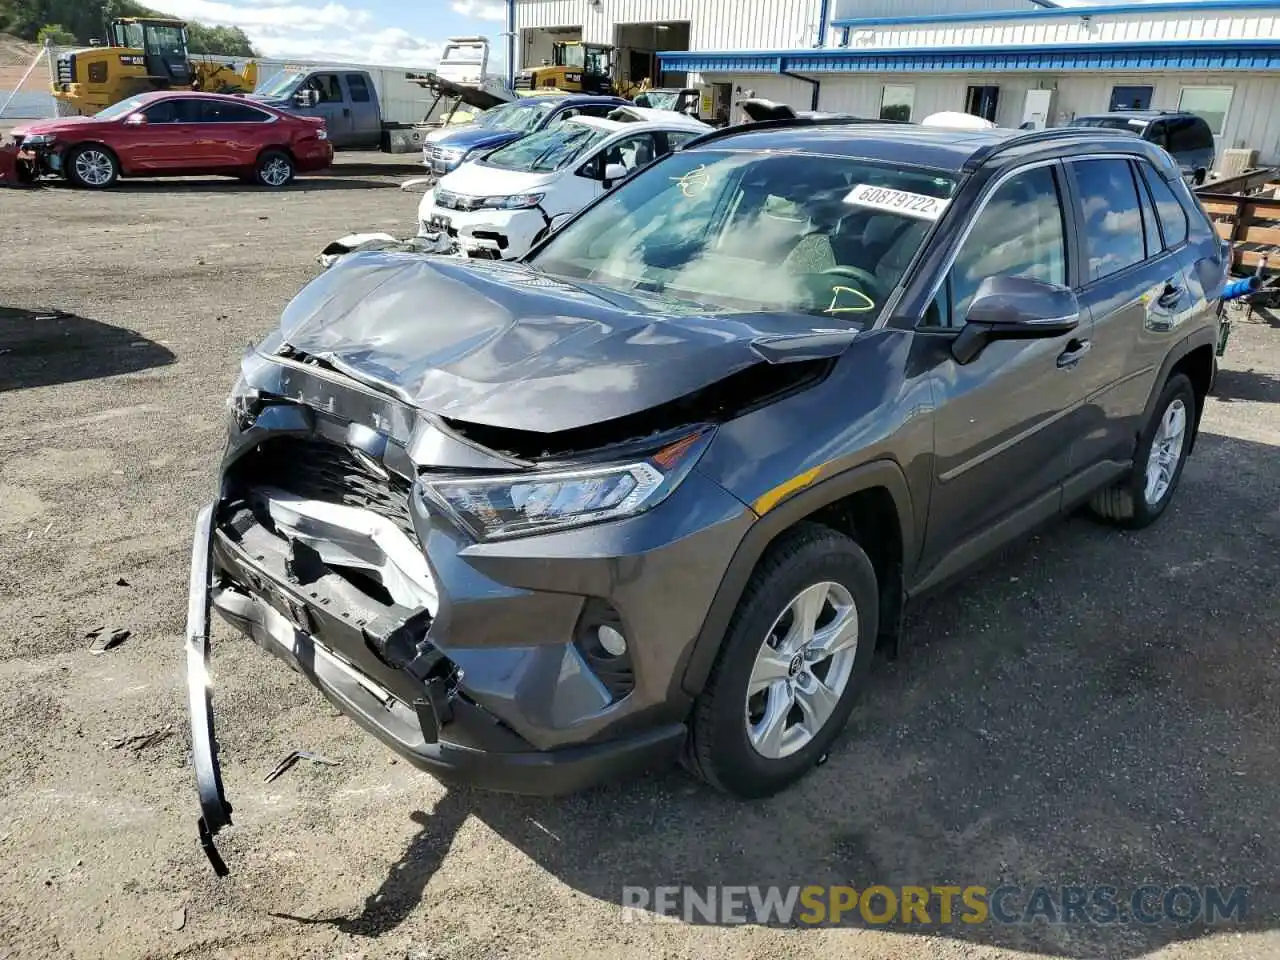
<point>1092,10</point>
<point>1167,55</point>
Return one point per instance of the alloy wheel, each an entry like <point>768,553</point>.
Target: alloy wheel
<point>94,167</point>
<point>276,172</point>
<point>802,670</point>
<point>1166,452</point>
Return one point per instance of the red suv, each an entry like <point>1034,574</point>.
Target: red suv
<point>178,134</point>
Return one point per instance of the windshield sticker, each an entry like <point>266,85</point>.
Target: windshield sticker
<point>693,182</point>
<point>896,201</point>
<point>860,302</point>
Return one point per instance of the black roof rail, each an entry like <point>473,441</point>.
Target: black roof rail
<point>784,123</point>
<point>1031,137</point>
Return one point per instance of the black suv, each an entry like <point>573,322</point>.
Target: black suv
<point>1186,136</point>
<point>657,490</point>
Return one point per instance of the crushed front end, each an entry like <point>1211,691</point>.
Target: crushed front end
<point>351,538</point>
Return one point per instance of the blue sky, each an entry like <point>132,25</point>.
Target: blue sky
<point>395,32</point>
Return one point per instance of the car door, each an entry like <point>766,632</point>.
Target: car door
<point>167,141</point>
<point>1004,422</point>
<point>332,105</point>
<point>366,125</point>
<point>238,135</point>
<point>1130,285</point>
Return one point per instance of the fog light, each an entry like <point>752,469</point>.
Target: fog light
<point>613,642</point>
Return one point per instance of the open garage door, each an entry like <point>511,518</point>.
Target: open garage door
<point>636,57</point>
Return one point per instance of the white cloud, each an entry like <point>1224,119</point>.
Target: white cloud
<point>482,9</point>
<point>319,31</point>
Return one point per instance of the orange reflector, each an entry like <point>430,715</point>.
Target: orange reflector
<point>670,455</point>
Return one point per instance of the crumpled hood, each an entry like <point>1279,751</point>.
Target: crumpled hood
<point>503,345</point>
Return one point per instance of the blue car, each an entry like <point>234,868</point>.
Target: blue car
<point>445,149</point>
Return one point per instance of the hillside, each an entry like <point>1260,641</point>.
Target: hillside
<point>84,20</point>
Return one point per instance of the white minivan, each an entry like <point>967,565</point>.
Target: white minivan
<point>500,205</point>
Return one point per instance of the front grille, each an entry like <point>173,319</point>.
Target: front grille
<point>67,68</point>
<point>456,201</point>
<point>319,470</point>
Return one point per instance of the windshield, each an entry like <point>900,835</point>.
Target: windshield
<point>658,99</point>
<point>121,109</point>
<point>168,42</point>
<point>548,150</point>
<point>280,84</point>
<point>796,233</point>
<point>1110,123</point>
<point>522,117</point>
<point>572,55</point>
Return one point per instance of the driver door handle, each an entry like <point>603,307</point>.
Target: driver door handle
<point>1076,349</point>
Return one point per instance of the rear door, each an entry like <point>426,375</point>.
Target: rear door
<point>237,134</point>
<point>1132,287</point>
<point>366,123</point>
<point>1006,421</point>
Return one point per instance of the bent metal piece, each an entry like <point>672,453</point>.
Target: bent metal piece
<point>215,812</point>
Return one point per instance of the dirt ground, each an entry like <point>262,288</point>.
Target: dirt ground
<point>1093,708</point>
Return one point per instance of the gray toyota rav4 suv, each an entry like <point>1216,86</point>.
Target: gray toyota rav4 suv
<point>657,490</point>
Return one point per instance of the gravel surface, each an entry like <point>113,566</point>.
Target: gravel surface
<point>1092,708</point>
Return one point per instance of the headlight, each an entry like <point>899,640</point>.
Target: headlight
<point>37,140</point>
<point>521,201</point>
<point>513,505</point>
<point>244,404</point>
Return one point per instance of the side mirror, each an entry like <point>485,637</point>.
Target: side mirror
<point>1015,308</point>
<point>613,172</point>
<point>306,98</point>
<point>136,120</point>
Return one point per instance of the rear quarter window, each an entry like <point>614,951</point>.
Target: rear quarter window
<point>1169,209</point>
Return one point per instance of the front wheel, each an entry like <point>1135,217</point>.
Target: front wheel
<point>1141,498</point>
<point>794,658</point>
<point>91,166</point>
<point>275,169</point>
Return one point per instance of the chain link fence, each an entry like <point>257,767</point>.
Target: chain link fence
<point>26,73</point>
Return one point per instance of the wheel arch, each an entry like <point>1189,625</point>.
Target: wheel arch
<point>880,482</point>
<point>1195,356</point>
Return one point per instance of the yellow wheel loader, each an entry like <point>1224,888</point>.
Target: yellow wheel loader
<point>142,54</point>
<point>575,67</point>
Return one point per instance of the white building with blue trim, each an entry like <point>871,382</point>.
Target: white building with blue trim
<point>1007,60</point>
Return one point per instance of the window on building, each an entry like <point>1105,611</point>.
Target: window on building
<point>1209,103</point>
<point>1113,233</point>
<point>897,101</point>
<point>982,102</point>
<point>1131,98</point>
<point>1018,234</point>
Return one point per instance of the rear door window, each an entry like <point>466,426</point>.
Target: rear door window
<point>1113,232</point>
<point>359,88</point>
<point>1169,210</point>
<point>223,111</point>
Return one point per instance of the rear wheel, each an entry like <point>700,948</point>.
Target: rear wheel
<point>275,169</point>
<point>1139,500</point>
<point>91,166</point>
<point>794,658</point>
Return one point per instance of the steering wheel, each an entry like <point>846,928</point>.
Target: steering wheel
<point>868,284</point>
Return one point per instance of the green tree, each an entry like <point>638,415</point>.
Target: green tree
<point>56,34</point>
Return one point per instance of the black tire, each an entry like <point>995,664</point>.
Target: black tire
<point>719,750</point>
<point>1126,503</point>
<point>91,166</point>
<point>275,169</point>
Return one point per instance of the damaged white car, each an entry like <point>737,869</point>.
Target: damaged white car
<point>498,207</point>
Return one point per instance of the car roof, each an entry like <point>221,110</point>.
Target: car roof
<point>599,123</point>
<point>664,117</point>
<point>1136,114</point>
<point>939,148</point>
